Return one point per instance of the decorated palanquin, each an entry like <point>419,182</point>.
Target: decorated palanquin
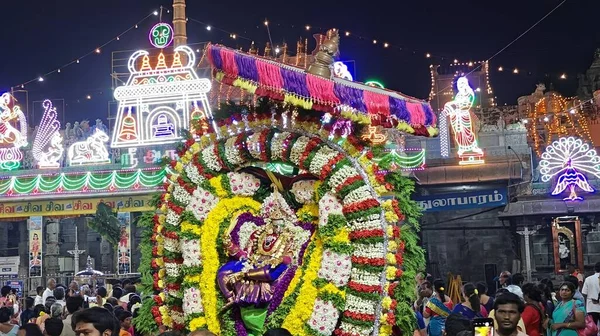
<point>328,249</point>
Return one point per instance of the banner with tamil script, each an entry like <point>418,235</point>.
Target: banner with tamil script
<point>459,201</point>
<point>77,206</point>
<point>124,243</point>
<point>35,245</point>
<point>9,267</point>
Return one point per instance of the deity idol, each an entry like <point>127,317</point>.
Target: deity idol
<point>460,118</point>
<point>260,260</point>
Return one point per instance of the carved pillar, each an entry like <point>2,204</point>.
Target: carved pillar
<point>52,250</point>
<point>3,238</point>
<point>23,250</point>
<point>179,23</point>
<point>82,235</point>
<point>106,254</point>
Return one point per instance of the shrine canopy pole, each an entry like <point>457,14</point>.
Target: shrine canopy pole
<point>179,23</point>
<point>527,233</point>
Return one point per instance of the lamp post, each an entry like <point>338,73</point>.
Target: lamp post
<point>75,252</point>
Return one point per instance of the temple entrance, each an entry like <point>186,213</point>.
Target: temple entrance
<point>566,239</point>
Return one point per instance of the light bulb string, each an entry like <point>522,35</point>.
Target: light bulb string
<point>78,59</point>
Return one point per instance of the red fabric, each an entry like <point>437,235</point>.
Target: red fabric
<point>532,320</point>
<point>377,104</point>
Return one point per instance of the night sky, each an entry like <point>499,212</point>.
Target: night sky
<point>44,35</point>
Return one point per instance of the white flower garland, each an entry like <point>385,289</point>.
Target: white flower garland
<point>375,250</point>
<point>190,250</point>
<point>355,330</point>
<point>171,245</point>
<point>244,233</point>
<point>298,148</point>
<point>366,278</point>
<point>172,217</point>
<point>304,191</point>
<point>328,205</point>
<point>172,269</point>
<point>192,301</point>
<point>276,200</point>
<point>324,317</point>
<point>202,203</point>
<point>208,155</point>
<point>254,146</point>
<point>357,195</point>
<point>371,223</point>
<point>193,174</point>
<point>323,156</point>
<point>181,195</point>
<point>232,154</point>
<point>277,145</point>
<point>177,317</point>
<point>243,184</point>
<point>335,268</point>
<point>340,176</point>
<point>359,305</point>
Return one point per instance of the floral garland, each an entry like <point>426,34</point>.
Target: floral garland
<point>204,194</point>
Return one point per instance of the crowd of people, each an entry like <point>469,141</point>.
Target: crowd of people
<point>516,308</point>
<point>77,310</point>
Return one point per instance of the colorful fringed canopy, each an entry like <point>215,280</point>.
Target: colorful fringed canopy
<point>356,101</point>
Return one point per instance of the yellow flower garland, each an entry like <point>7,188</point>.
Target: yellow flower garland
<point>210,258</point>
<point>311,210</point>
<point>215,182</point>
<point>197,323</point>
<point>307,296</point>
<point>189,227</point>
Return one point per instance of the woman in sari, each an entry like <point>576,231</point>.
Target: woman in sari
<point>471,307</point>
<point>438,308</point>
<point>569,314</point>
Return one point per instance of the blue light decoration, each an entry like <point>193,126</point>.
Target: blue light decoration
<point>569,158</point>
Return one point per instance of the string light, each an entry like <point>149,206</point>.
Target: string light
<point>516,71</point>
<point>208,28</point>
<point>374,41</point>
<point>233,36</point>
<point>500,69</point>
<point>347,33</point>
<point>455,61</point>
<point>385,45</point>
<point>40,79</point>
<point>563,76</point>
<point>428,55</point>
<point>88,97</point>
<point>155,13</point>
<point>307,27</point>
<point>266,23</point>
<point>97,51</point>
<point>58,70</point>
<point>546,119</point>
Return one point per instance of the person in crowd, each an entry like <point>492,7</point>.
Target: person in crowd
<point>129,290</point>
<point>30,329</point>
<point>27,313</point>
<point>50,285</point>
<point>133,300</point>
<point>547,297</point>
<point>101,294</point>
<point>7,328</point>
<point>109,307</point>
<point>577,296</point>
<point>38,310</point>
<point>517,279</point>
<point>533,315</point>
<point>503,279</point>
<point>438,308</point>
<point>486,300</point>
<point>275,332</point>
<point>59,295</point>
<point>508,308</point>
<point>471,307</point>
<point>95,321</point>
<point>455,324</point>
<point>421,326</point>
<point>508,290</point>
<point>571,270</point>
<point>54,327</point>
<point>591,292</point>
<point>125,322</point>
<point>39,290</point>
<point>569,314</point>
<point>4,293</point>
<point>74,304</point>
<point>73,289</point>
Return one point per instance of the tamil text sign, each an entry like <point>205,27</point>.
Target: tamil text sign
<point>477,199</point>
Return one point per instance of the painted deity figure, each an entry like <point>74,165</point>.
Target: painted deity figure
<point>256,266</point>
<point>460,119</point>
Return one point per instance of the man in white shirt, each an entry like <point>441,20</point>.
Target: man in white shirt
<point>49,289</point>
<point>591,291</point>
<point>59,295</point>
<point>38,298</point>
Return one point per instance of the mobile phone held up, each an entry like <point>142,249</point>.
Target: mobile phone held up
<point>483,327</point>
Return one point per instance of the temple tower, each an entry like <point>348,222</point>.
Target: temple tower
<point>179,23</point>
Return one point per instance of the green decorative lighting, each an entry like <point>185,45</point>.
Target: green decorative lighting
<point>77,182</point>
<point>392,161</point>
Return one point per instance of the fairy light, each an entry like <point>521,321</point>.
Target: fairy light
<point>428,55</point>
<point>385,45</point>
<point>347,33</point>
<point>47,147</point>
<point>266,23</point>
<point>82,182</point>
<point>170,111</point>
<point>208,28</point>
<point>374,41</point>
<point>40,79</point>
<point>88,97</point>
<point>97,50</point>
<point>307,27</point>
<point>516,71</point>
<point>455,61</point>
<point>500,69</point>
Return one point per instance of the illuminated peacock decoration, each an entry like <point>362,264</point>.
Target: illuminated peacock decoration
<point>569,159</point>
